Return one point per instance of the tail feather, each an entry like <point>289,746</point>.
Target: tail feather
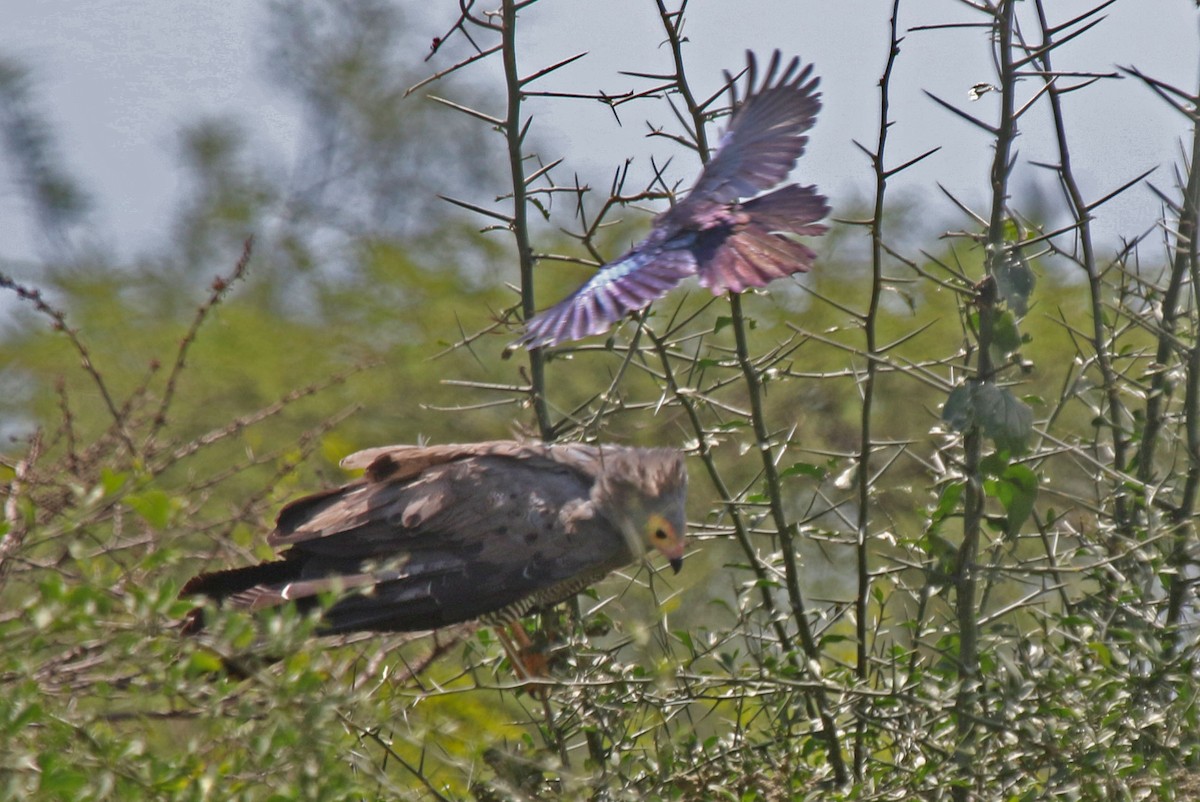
<point>222,585</point>
<point>793,208</point>
<point>752,257</point>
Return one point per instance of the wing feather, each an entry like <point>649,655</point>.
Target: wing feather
<point>764,140</point>
<point>752,252</point>
<point>792,209</point>
<point>626,285</point>
<point>406,461</point>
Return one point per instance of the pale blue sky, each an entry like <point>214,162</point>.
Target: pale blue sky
<point>118,79</point>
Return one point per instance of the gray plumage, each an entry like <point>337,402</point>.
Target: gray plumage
<point>431,536</point>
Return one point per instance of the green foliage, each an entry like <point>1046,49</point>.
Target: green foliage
<point>1014,486</point>
<point>1014,280</point>
<point>1002,416</point>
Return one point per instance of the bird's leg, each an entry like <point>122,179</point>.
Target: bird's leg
<point>528,660</point>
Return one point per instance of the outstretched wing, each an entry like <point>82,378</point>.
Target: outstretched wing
<point>630,283</point>
<point>764,139</point>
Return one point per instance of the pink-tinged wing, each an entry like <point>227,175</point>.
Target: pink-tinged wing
<point>764,140</point>
<point>618,288</point>
<point>752,251</point>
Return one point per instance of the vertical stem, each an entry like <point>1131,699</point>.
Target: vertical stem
<point>1083,218</point>
<point>762,441</point>
<point>1100,341</point>
<point>862,600</point>
<point>672,23</point>
<point>515,134</point>
<point>966,570</point>
<point>1160,384</point>
<point>741,531</point>
<point>1180,581</point>
<point>786,532</point>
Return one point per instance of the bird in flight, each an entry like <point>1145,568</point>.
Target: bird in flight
<point>724,232</point>
<point>435,535</point>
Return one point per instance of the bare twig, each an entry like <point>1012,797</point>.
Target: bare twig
<point>220,288</point>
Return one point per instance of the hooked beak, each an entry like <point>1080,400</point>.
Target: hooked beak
<point>676,564</point>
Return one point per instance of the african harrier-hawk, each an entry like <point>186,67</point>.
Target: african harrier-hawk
<point>728,242</point>
<point>431,536</point>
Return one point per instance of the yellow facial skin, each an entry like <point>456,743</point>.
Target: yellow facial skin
<point>666,538</point>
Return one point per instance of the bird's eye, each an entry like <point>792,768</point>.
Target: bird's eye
<point>660,534</point>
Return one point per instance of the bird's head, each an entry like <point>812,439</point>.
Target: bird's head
<point>667,534</point>
<point>644,492</point>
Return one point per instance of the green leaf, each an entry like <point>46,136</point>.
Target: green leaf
<point>1022,491</point>
<point>25,715</point>
<point>204,663</point>
<point>1005,336</point>
<point>994,464</point>
<point>1102,652</point>
<point>1011,232</point>
<point>958,411</point>
<point>1014,279</point>
<point>1016,488</point>
<point>804,469</point>
<point>112,481</point>
<point>1003,417</point>
<point>947,503</point>
<point>58,778</point>
<point>155,506</point>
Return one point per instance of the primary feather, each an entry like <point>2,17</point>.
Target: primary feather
<point>729,242</point>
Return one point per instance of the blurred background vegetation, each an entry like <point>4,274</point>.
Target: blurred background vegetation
<point>943,488</point>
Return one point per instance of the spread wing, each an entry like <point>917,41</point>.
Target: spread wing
<point>764,138</point>
<point>626,285</point>
<point>460,538</point>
